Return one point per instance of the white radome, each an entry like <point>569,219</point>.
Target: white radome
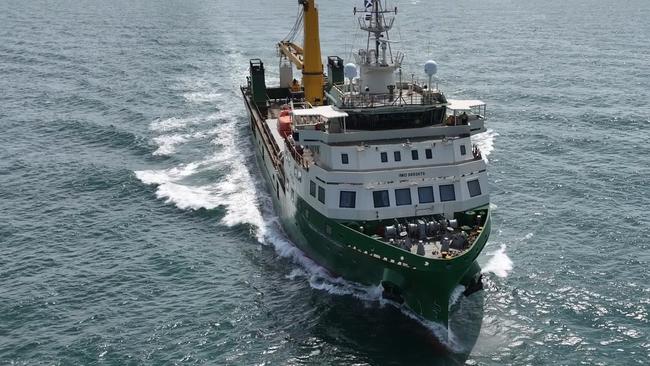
<point>350,71</point>
<point>430,67</point>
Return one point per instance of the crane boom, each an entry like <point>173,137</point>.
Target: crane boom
<point>293,52</point>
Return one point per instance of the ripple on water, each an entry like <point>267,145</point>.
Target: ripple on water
<point>183,261</point>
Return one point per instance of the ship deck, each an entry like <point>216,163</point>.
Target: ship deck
<point>438,237</point>
<point>273,126</point>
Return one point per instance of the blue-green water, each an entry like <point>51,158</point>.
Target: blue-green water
<point>134,228</point>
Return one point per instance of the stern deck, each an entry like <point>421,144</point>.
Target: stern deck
<point>431,237</point>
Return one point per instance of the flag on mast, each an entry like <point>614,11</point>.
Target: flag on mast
<point>368,3</point>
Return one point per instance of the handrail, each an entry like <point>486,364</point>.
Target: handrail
<point>275,155</point>
<point>296,155</point>
<point>398,98</point>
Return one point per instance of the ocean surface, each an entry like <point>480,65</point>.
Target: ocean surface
<point>135,228</point>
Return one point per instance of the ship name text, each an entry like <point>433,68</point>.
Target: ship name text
<point>411,174</point>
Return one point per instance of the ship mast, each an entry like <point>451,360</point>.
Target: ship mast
<point>376,61</point>
<point>377,27</point>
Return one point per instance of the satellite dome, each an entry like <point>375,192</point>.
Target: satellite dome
<point>350,71</point>
<point>430,67</point>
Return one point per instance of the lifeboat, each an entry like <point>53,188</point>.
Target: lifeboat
<point>284,123</point>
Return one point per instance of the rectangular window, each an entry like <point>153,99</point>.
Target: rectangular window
<point>344,158</point>
<point>312,188</point>
<point>381,198</point>
<point>347,199</point>
<point>474,188</point>
<point>403,196</point>
<point>321,194</point>
<point>428,153</point>
<point>384,157</point>
<point>398,156</point>
<point>447,192</point>
<point>425,194</point>
<point>414,154</point>
<point>462,150</point>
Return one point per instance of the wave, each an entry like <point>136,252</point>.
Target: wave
<point>167,143</point>
<point>178,123</point>
<point>499,263</point>
<point>203,97</point>
<point>485,142</point>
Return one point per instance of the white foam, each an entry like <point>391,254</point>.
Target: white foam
<point>485,142</point>
<point>339,286</point>
<point>188,197</point>
<point>202,97</point>
<point>269,232</point>
<point>528,236</point>
<point>455,295</point>
<point>172,123</point>
<point>179,123</point>
<point>237,195</point>
<point>167,144</point>
<point>443,334</point>
<point>499,263</point>
<point>235,192</point>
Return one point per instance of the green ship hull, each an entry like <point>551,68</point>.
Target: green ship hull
<point>425,285</point>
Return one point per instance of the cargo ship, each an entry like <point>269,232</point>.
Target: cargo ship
<point>373,173</point>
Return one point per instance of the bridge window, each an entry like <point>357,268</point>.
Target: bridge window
<point>321,194</point>
<point>447,192</point>
<point>428,153</point>
<point>344,159</point>
<point>384,157</point>
<point>462,150</point>
<point>403,196</point>
<point>381,198</point>
<point>312,188</point>
<point>474,188</point>
<point>425,194</point>
<point>414,154</point>
<point>347,199</point>
<point>397,155</point>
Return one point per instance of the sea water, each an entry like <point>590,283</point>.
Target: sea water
<point>135,228</point>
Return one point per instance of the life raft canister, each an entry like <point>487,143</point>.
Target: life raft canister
<point>284,123</point>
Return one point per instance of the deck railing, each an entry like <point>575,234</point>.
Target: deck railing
<point>297,156</point>
<point>404,94</point>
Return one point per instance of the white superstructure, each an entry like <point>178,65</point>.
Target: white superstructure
<point>369,175</point>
